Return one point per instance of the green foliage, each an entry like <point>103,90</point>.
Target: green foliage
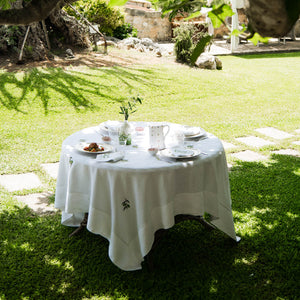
<point>117,2</point>
<point>99,12</point>
<point>258,38</point>
<point>200,47</point>
<point>219,13</point>
<point>124,31</point>
<point>183,42</point>
<point>190,42</point>
<point>129,107</point>
<point>174,7</point>
<point>9,36</point>
<point>5,4</point>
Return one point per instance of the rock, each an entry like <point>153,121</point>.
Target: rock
<point>70,53</point>
<point>218,63</point>
<point>144,45</point>
<point>147,42</point>
<point>132,41</point>
<point>108,42</point>
<point>158,53</point>
<point>207,61</point>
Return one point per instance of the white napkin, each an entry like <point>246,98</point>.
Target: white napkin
<point>181,151</point>
<point>110,157</point>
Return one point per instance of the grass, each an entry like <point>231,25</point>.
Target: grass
<point>39,108</point>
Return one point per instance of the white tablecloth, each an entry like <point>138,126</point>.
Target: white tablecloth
<point>129,200</point>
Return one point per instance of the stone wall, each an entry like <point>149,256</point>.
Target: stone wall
<point>147,21</point>
<point>150,24</point>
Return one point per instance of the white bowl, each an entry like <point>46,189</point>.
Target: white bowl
<point>152,151</point>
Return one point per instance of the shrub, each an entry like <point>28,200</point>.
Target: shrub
<point>186,37</point>
<point>9,37</point>
<point>124,31</point>
<point>98,11</point>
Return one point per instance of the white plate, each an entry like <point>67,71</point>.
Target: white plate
<point>81,146</point>
<point>190,131</point>
<point>180,152</point>
<point>202,133</point>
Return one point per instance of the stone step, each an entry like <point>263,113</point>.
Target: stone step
<point>51,169</point>
<point>38,203</point>
<point>249,156</point>
<point>18,182</point>
<point>254,141</point>
<point>274,133</point>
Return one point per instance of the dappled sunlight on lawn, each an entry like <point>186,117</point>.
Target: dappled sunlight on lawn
<point>52,86</point>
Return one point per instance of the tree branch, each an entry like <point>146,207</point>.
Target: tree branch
<point>34,11</point>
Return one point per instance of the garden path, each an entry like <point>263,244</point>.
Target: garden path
<point>42,203</point>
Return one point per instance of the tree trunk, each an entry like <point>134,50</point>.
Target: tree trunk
<point>75,33</point>
<point>59,22</point>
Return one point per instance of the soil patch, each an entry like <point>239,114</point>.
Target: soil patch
<point>84,58</point>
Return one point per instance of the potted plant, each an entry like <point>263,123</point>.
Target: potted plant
<point>126,109</point>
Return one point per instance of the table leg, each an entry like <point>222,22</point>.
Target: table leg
<point>82,225</point>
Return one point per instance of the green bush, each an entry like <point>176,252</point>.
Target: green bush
<point>98,11</point>
<point>9,36</point>
<point>186,37</point>
<point>183,42</point>
<point>124,31</point>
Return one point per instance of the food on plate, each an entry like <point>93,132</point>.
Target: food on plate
<point>93,147</point>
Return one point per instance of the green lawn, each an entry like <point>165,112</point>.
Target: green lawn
<point>39,108</point>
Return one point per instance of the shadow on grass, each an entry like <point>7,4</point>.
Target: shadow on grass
<point>45,84</point>
<point>39,260</point>
<point>271,55</point>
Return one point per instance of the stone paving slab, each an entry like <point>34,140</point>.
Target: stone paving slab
<point>39,203</point>
<point>287,152</point>
<point>51,169</point>
<point>19,182</point>
<point>297,131</point>
<point>254,141</point>
<point>249,155</point>
<point>296,143</point>
<point>273,46</point>
<point>228,146</point>
<point>274,133</point>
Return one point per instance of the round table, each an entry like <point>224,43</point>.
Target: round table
<point>129,200</point>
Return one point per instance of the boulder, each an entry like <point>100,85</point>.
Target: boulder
<point>144,45</point>
<point>207,61</point>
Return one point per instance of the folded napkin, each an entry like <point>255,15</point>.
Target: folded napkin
<point>110,157</point>
<point>181,151</point>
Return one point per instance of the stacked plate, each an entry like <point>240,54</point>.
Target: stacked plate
<point>107,126</point>
<point>193,132</point>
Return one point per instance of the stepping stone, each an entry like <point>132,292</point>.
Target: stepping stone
<point>51,169</point>
<point>39,203</point>
<point>296,143</point>
<point>228,145</point>
<point>297,131</point>
<point>249,156</point>
<point>254,141</point>
<point>274,133</point>
<point>287,152</point>
<point>20,181</point>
